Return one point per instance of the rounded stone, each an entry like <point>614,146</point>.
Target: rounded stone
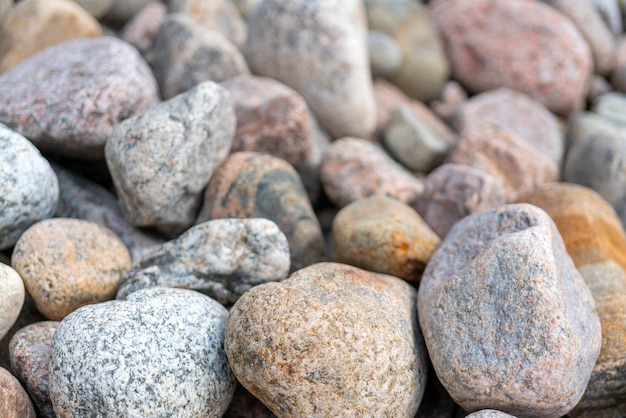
<point>14,401</point>
<point>332,340</point>
<point>11,298</point>
<point>489,413</point>
<point>383,235</point>
<point>158,351</point>
<point>67,98</point>
<point>384,53</point>
<point>142,28</point>
<point>612,106</point>
<point>488,39</point>
<point>69,263</point>
<point>29,189</point>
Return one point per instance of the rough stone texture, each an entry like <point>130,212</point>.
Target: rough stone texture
<point>451,99</point>
<point>141,29</point>
<point>332,340</point>
<point>489,413</point>
<point>30,355</point>
<point>612,106</point>
<point>319,49</point>
<point>123,10</point>
<point>14,402</point>
<point>83,199</point>
<point>160,350</point>
<point>67,98</point>
<point>29,189</point>
<point>69,263</point>
<point>245,405</point>
<point>384,54</point>
<point>354,169</point>
<point>384,235</point>
<point>488,39</point>
<point>187,53</point>
<point>161,160</point>
<point>455,191</point>
<point>33,25</point>
<point>504,155</point>
<point>11,298</point>
<point>252,185</point>
<point>508,321</point>
<point>618,78</point>
<point>222,258</point>
<point>520,114</point>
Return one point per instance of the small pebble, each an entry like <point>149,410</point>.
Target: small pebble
<point>14,401</point>
<point>141,29</point>
<point>11,298</point>
<point>612,106</point>
<point>447,105</point>
<point>384,53</point>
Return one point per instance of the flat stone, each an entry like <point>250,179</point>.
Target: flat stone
<point>384,54</point>
<point>187,53</point>
<point>141,29</point>
<point>29,189</point>
<point>69,263</point>
<point>383,235</point>
<point>252,185</point>
<point>11,298</point>
<point>30,355</point>
<point>489,413</point>
<point>161,160</point>
<point>305,346</point>
<point>14,402</point>
<point>158,351</point>
<point>324,58</point>
<point>508,320</point>
<point>67,98</point>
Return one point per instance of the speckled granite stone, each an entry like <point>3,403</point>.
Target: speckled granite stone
<point>384,235</point>
<point>222,258</point>
<point>14,402</point>
<point>30,355</point>
<point>161,160</point>
<point>508,320</point>
<point>252,185</point>
<point>71,95</point>
<point>141,29</point>
<point>489,413</point>
<point>319,49</point>
<point>160,350</point>
<point>11,298</point>
<point>332,340</point>
<point>29,189</point>
<point>69,263</point>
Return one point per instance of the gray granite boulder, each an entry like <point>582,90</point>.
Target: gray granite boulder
<point>29,189</point>
<point>12,295</point>
<point>508,320</point>
<point>161,160</point>
<point>158,351</point>
<point>222,258</point>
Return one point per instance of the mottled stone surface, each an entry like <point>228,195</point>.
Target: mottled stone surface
<point>306,346</point>
<point>161,160</point>
<point>187,53</point>
<point>506,156</point>
<point>384,54</point>
<point>30,355</point>
<point>33,25</point>
<point>69,263</point>
<point>384,235</point>
<point>252,185</point>
<point>488,39</point>
<point>222,258</point>
<point>67,98</point>
<point>354,169</point>
<point>11,298</point>
<point>29,189</point>
<point>489,413</point>
<point>160,350</point>
<point>454,191</point>
<point>508,320</point>
<point>14,402</point>
<point>319,49</point>
<point>612,106</point>
<point>141,29</point>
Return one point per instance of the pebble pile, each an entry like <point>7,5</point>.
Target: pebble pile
<point>313,208</point>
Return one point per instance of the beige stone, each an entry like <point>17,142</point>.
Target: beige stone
<point>11,298</point>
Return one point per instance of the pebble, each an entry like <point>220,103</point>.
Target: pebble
<point>142,28</point>
<point>354,169</point>
<point>14,402</point>
<point>384,53</point>
<point>34,25</point>
<point>253,185</point>
<point>69,104</point>
<point>612,106</point>
<point>488,39</point>
<point>158,351</point>
<point>489,413</point>
<point>610,12</point>
<point>30,355</point>
<point>508,320</point>
<point>187,53</point>
<point>161,160</point>
<point>447,105</point>
<point>69,263</point>
<point>331,340</point>
<point>333,75</point>
<point>506,156</point>
<point>383,235</point>
<point>454,191</point>
<point>29,189</point>
<point>121,11</point>
<point>96,8</point>
<point>11,298</point>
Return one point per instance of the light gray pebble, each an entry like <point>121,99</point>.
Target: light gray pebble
<point>385,54</point>
<point>612,106</point>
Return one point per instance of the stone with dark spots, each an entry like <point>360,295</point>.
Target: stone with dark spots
<point>252,185</point>
<point>158,351</point>
<point>14,401</point>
